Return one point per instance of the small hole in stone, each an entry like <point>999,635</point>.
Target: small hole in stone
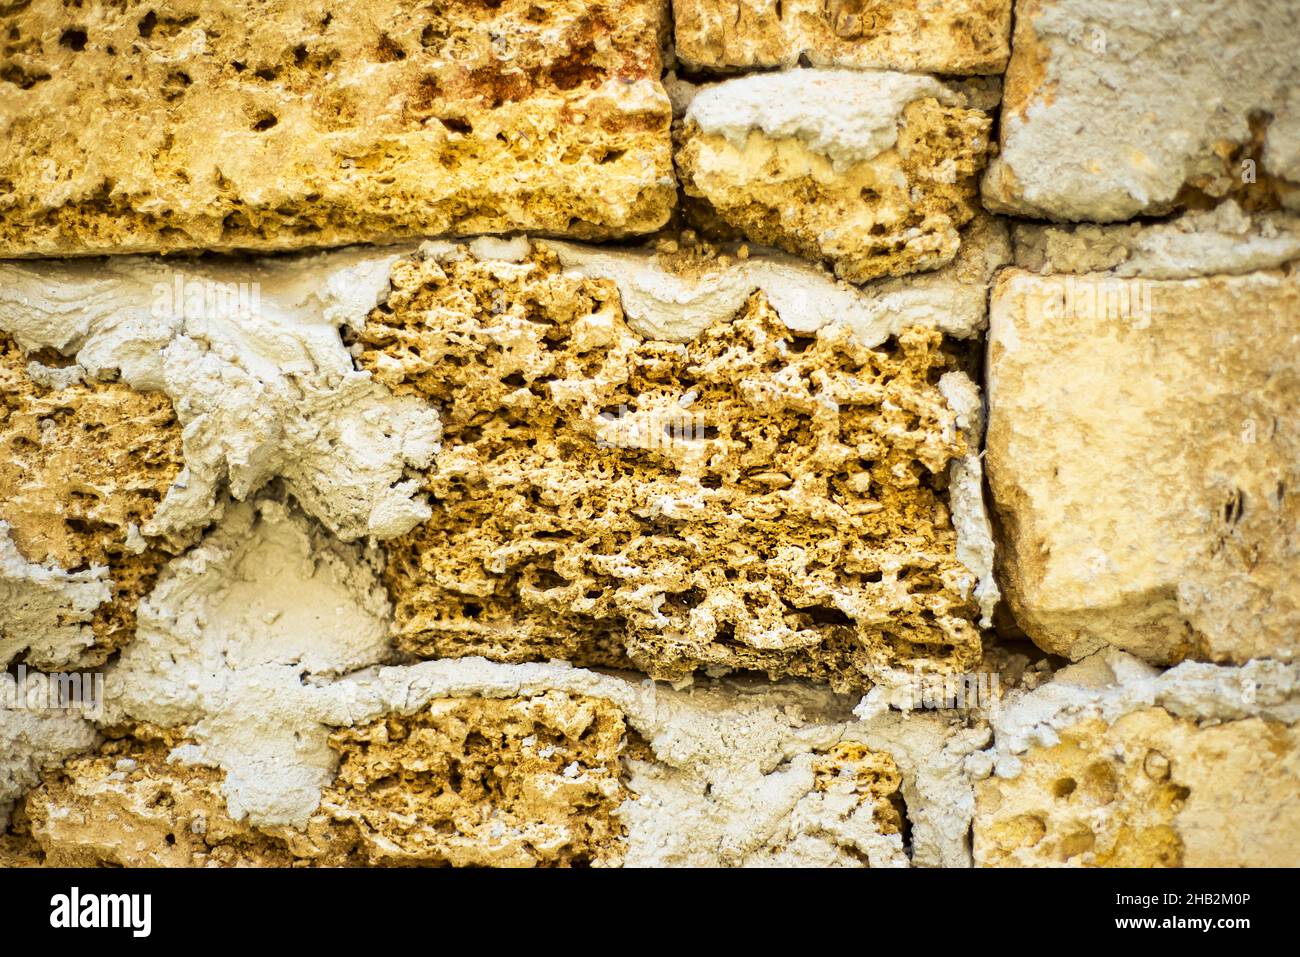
<point>73,40</point>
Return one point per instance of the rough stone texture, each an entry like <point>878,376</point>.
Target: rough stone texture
<point>512,782</point>
<point>751,498</point>
<point>30,741</point>
<point>1115,109</point>
<point>1225,241</point>
<point>249,353</point>
<point>874,172</point>
<point>1143,452</point>
<point>488,783</point>
<point>916,36</point>
<point>514,551</point>
<point>1114,764</point>
<point>131,129</point>
<point>293,627</point>
<point>128,806</point>
<point>1148,791</point>
<point>537,764</point>
<point>82,469</point>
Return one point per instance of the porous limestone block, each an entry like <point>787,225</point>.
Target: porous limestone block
<point>1148,790</point>
<point>915,36</point>
<point>554,777</point>
<point>871,171</point>
<point>749,493</point>
<point>1115,109</point>
<point>513,782</point>
<point>484,782</point>
<point>1144,455</point>
<point>83,466</point>
<point>298,123</point>
<point>1114,762</point>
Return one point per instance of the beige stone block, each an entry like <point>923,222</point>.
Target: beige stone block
<point>916,36</point>
<point>754,497</point>
<point>297,123</point>
<point>1144,456</point>
<point>1114,110</point>
<point>1148,790</point>
<point>872,172</point>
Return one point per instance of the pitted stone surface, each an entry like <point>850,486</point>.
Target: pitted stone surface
<point>874,172</point>
<point>82,470</point>
<point>752,498</point>
<point>1113,763</point>
<point>304,123</point>
<point>916,36</point>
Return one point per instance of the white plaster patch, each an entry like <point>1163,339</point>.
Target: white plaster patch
<point>231,643</point>
<point>849,116</point>
<point>262,383</point>
<point>970,517</point>
<point>44,610</point>
<point>31,741</point>
<point>664,304</point>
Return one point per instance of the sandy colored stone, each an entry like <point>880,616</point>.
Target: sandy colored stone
<point>249,352</point>
<point>515,782</point>
<point>1114,110</point>
<point>1149,790</point>
<point>510,783</point>
<point>751,498</point>
<point>1144,456</point>
<point>82,469</point>
<point>548,779</point>
<point>128,806</point>
<point>873,172</point>
<point>305,123</point>
<point>916,36</point>
<point>19,851</point>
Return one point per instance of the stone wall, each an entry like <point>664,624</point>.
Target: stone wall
<point>847,433</point>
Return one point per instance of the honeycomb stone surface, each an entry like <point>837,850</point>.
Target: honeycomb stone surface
<point>1142,451</point>
<point>917,36</point>
<point>752,498</point>
<point>514,782</point>
<point>871,777</point>
<point>874,172</point>
<point>1149,790</point>
<point>128,806</point>
<point>132,127</point>
<point>82,469</point>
